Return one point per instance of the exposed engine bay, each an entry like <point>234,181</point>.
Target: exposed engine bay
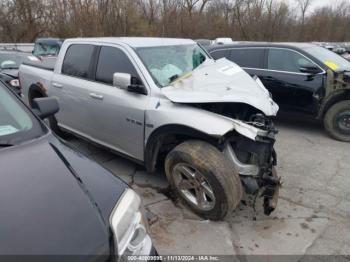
<point>240,111</point>
<point>255,160</point>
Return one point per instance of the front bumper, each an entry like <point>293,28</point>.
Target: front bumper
<point>271,192</point>
<point>255,162</point>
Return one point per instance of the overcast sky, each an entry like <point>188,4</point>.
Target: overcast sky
<point>315,3</point>
<point>318,3</point>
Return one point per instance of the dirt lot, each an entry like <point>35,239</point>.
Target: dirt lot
<point>313,215</point>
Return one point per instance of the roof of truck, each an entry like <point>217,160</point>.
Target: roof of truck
<point>137,41</point>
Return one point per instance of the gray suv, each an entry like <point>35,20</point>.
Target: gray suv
<point>167,102</point>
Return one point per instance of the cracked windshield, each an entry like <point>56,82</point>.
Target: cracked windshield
<point>169,63</point>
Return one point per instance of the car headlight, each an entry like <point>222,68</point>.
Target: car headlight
<point>130,227</point>
<point>15,83</point>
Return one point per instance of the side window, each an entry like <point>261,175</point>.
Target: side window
<point>248,57</point>
<point>113,60</point>
<point>217,54</point>
<point>287,60</point>
<point>77,60</point>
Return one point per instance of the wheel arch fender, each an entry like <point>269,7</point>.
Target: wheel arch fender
<point>169,133</point>
<point>333,99</point>
<point>34,91</point>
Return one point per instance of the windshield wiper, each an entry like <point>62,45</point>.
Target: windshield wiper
<point>10,68</point>
<point>173,78</point>
<point>6,144</point>
<point>177,76</point>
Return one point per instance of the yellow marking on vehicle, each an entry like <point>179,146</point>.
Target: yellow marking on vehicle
<point>182,77</point>
<point>331,65</point>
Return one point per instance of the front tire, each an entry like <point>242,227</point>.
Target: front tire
<point>337,121</point>
<point>203,178</point>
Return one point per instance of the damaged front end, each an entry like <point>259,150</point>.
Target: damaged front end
<point>249,146</point>
<point>239,101</point>
<point>255,160</point>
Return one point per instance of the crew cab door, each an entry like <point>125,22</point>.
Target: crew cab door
<point>290,87</point>
<point>71,86</point>
<point>116,115</point>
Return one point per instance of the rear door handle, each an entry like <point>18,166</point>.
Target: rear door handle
<point>96,96</point>
<point>57,85</point>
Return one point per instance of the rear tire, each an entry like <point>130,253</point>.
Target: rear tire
<point>204,179</point>
<point>337,121</point>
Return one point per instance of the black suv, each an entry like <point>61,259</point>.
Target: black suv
<point>301,77</point>
<point>55,204</point>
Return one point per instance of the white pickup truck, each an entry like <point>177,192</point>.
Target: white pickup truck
<point>167,102</point>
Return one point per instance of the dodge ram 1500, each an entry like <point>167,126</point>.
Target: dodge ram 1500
<point>166,101</point>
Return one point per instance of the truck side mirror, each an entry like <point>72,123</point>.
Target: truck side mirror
<point>129,83</point>
<point>121,80</point>
<point>45,107</point>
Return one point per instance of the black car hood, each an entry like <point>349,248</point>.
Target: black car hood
<point>10,72</point>
<point>48,210</point>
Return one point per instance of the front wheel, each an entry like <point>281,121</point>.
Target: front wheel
<point>337,121</point>
<point>202,177</point>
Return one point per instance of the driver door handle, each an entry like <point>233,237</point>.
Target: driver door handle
<point>96,96</point>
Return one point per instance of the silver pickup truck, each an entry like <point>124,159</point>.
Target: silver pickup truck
<point>166,103</point>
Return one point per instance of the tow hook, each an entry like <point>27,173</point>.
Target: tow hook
<point>272,184</point>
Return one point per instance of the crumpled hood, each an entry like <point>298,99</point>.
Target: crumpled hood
<point>221,81</point>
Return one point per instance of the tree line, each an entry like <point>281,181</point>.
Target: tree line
<point>251,20</point>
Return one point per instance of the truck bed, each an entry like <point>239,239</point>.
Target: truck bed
<point>35,75</point>
<point>41,66</point>
<point>46,64</point>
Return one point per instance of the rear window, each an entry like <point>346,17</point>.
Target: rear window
<point>77,60</point>
<point>250,57</point>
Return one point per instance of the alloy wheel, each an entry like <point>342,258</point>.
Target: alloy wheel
<point>193,186</point>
